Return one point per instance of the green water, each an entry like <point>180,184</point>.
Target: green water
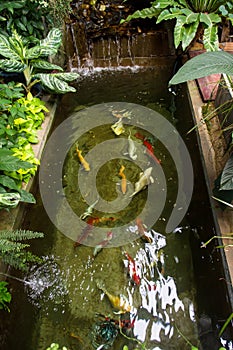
<point>63,302</point>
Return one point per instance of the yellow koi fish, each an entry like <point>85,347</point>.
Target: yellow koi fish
<point>123,179</point>
<point>120,302</point>
<point>84,163</point>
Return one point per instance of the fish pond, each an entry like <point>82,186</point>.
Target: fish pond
<point>115,273</point>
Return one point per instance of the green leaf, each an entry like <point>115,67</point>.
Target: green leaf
<point>51,43</point>
<point>8,162</point>
<point>166,15</point>
<point>54,83</point>
<point>9,200</point>
<point>6,48</point>
<point>226,182</point>
<point>27,197</point>
<point>178,30</point>
<point>42,64</point>
<point>204,65</point>
<point>12,65</point>
<point>8,182</point>
<point>145,13</point>
<point>210,38</point>
<point>189,32</point>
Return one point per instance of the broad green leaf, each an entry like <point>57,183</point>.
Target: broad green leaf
<point>27,197</point>
<point>189,32</point>
<point>145,13</point>
<point>178,30</point>
<point>8,182</point>
<point>12,65</point>
<point>53,83</point>
<point>203,65</point>
<point>42,64</point>
<point>190,16</point>
<point>51,43</point>
<point>194,348</point>
<point>209,18</point>
<point>210,38</point>
<point>6,49</point>
<point>226,182</point>
<point>8,162</point>
<point>166,14</point>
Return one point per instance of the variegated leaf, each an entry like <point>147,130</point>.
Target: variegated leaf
<point>190,16</point>
<point>67,76</point>
<point>178,30</point>
<point>6,49</point>
<point>210,38</point>
<point>51,82</point>
<point>51,43</point>
<point>189,32</point>
<point>42,64</point>
<point>202,65</point>
<point>209,18</point>
<point>169,14</point>
<point>12,66</point>
<point>33,52</point>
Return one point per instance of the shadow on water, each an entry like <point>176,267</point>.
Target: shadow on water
<point>173,291</point>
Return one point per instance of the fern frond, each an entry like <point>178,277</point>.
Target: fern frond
<point>20,235</point>
<point>20,260</point>
<point>7,246</point>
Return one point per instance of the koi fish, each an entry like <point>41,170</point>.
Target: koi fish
<point>101,220</point>
<point>142,231</point>
<point>102,244</point>
<point>144,180</point>
<point>132,269</point>
<point>121,115</point>
<point>131,148</point>
<point>82,160</point>
<point>89,210</point>
<point>73,335</point>
<point>123,179</point>
<point>118,127</point>
<point>120,303</point>
<point>149,147</point>
<point>84,234</point>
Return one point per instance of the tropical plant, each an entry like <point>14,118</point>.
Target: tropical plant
<point>203,65</point>
<point>21,57</point>
<point>10,192</point>
<point>20,119</point>
<point>200,66</point>
<point>190,17</point>
<point>29,18</point>
<point>5,296</point>
<point>13,252</point>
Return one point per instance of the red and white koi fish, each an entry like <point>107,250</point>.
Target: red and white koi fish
<point>132,269</point>
<point>102,244</point>
<point>85,232</point>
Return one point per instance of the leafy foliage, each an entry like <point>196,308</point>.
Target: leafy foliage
<point>29,17</point>
<point>5,296</point>
<point>20,56</point>
<point>56,346</point>
<point>13,252</point>
<point>203,65</point>
<point>189,16</point>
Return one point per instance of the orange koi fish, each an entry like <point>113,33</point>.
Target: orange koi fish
<point>120,302</point>
<point>82,160</point>
<point>123,180</point>
<point>132,269</point>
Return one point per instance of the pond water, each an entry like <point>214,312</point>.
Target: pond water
<point>172,292</point>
